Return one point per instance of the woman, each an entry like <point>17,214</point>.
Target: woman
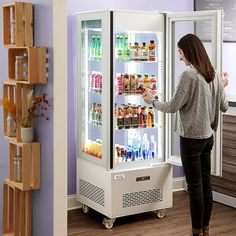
<point>199,97</point>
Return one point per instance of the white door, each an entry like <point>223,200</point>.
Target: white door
<point>207,25</point>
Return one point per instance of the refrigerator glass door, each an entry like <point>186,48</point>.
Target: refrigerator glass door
<point>92,83</point>
<point>178,25</point>
<point>138,63</point>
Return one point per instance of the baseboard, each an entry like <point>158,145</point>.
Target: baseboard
<point>178,184</point>
<point>72,203</point>
<point>224,199</point>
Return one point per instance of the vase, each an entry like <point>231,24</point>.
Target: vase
<point>27,134</point>
<point>11,126</point>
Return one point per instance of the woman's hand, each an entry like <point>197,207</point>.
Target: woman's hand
<point>225,79</point>
<point>148,96</point>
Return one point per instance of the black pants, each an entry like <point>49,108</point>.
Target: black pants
<point>196,160</point>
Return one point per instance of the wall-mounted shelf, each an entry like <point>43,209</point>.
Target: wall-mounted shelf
<point>18,24</point>
<point>37,71</point>
<point>16,93</point>
<point>17,210</point>
<point>30,167</point>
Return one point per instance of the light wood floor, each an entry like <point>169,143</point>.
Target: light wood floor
<point>176,222</point>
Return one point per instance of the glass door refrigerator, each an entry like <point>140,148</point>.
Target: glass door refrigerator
<point>125,147</point>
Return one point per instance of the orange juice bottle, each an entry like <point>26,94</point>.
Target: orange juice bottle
<point>152,51</point>
<point>146,81</point>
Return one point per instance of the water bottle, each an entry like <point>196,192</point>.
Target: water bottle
<point>126,50</point>
<point>153,147</point>
<point>92,47</point>
<point>98,48</point>
<point>145,147</point>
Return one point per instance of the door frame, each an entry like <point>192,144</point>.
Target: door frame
<point>60,105</point>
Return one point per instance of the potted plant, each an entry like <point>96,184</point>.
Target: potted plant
<point>36,109</point>
<point>10,109</point>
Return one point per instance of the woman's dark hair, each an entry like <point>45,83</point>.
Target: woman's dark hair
<point>196,54</point>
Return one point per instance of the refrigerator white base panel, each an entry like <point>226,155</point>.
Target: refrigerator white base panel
<point>127,192</point>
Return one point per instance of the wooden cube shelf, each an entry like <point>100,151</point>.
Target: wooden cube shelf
<point>30,165</point>
<point>37,64</point>
<point>18,24</point>
<point>9,92</point>
<point>17,211</point>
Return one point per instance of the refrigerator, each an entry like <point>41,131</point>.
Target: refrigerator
<point>126,149</point>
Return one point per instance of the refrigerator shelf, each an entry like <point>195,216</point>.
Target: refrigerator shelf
<point>133,61</point>
<point>138,128</point>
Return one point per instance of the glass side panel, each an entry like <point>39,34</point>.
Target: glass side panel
<point>181,29</point>
<point>138,127</point>
<point>90,118</point>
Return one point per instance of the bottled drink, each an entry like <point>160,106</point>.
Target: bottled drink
<point>120,48</point>
<point>98,48</point>
<point>120,84</point>
<point>145,147</point>
<point>153,146</point>
<point>152,51</point>
<point>144,52</point>
<point>92,47</point>
<point>127,118</point>
<point>92,113</point>
<point>117,44</point>
<point>18,168</point>
<point>126,50</point>
<point>120,118</point>
<point>140,82</point>
<point>151,117</point>
<point>136,52</point>
<point>144,114</point>
<point>18,68</point>
<point>135,120</point>
<point>126,83</point>
<point>133,83</point>
<point>146,81</point>
<point>153,82</point>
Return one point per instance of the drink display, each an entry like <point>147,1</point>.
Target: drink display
<point>135,69</point>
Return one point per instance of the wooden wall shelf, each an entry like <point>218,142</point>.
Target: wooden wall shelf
<point>17,211</point>
<point>18,21</point>
<point>30,153</point>
<point>37,64</point>
<point>17,93</point>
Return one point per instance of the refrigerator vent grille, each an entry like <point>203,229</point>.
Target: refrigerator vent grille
<point>142,197</point>
<point>91,192</point>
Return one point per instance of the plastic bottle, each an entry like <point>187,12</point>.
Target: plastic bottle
<point>126,50</point>
<point>136,52</point>
<point>144,52</point>
<point>152,51</point>
<point>145,147</point>
<point>117,46</point>
<point>98,48</point>
<point>92,47</point>
<point>153,82</point>
<point>153,147</point>
<point>120,48</point>
<point>151,118</point>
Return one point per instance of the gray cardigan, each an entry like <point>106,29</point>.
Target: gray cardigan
<point>198,103</point>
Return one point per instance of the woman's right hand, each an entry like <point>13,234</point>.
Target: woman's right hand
<point>225,79</point>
